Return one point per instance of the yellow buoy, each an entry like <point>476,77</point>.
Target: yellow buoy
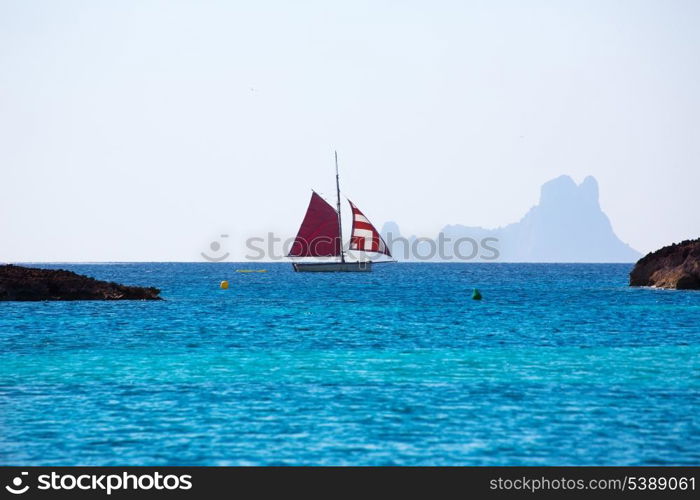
<point>224,285</point>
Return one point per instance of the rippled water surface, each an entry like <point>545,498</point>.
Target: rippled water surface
<point>559,365</point>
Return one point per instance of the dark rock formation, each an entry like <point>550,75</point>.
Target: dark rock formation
<point>675,266</point>
<point>28,283</point>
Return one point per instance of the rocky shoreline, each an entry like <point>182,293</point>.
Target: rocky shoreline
<point>21,283</point>
<point>675,266</point>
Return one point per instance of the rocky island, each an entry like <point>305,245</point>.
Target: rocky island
<point>567,225</point>
<point>32,284</point>
<point>675,266</point>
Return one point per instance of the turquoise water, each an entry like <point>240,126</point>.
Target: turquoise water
<point>559,365</point>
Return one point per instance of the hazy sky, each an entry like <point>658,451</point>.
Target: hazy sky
<point>143,130</point>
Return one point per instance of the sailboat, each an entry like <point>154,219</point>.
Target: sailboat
<point>321,235</point>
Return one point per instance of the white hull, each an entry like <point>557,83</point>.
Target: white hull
<point>332,267</point>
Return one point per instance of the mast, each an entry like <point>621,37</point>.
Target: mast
<point>340,222</point>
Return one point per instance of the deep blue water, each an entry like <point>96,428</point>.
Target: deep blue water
<point>559,365</point>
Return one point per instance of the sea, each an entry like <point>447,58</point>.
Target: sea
<point>558,364</point>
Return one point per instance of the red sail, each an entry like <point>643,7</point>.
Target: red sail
<point>318,235</point>
<point>364,236</point>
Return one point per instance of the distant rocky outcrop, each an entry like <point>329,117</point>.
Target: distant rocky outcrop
<point>567,225</point>
<point>675,266</point>
<point>32,284</point>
